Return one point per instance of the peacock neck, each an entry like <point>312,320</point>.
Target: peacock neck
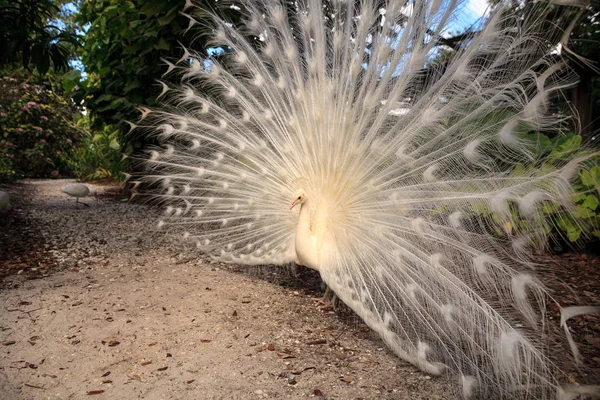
<point>303,226</point>
<point>308,243</point>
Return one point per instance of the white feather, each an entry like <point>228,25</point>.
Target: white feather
<point>399,169</point>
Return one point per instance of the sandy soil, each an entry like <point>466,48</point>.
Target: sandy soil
<point>104,305</point>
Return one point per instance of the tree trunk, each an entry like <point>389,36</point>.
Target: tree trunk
<point>582,100</point>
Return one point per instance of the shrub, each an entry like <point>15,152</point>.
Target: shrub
<point>37,131</point>
<point>98,156</point>
<point>581,222</point>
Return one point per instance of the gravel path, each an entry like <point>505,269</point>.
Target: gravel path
<point>102,304</point>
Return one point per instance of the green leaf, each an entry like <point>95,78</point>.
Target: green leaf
<point>168,17</point>
<point>112,10</point>
<point>114,144</point>
<point>162,44</point>
<point>574,235</point>
<point>579,197</point>
<point>549,208</point>
<point>586,178</point>
<point>132,85</point>
<point>104,97</point>
<point>480,208</point>
<point>71,80</point>
<point>518,171</point>
<point>583,212</point>
<point>153,7</point>
<point>591,202</point>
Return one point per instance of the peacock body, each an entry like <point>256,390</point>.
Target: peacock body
<point>392,166</point>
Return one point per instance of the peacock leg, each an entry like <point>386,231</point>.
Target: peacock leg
<point>329,300</point>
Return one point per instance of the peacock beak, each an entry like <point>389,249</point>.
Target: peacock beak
<point>294,203</point>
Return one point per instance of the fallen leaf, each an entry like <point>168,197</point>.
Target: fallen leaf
<point>348,379</point>
<point>271,347</point>
<point>152,344</point>
<point>34,386</point>
<point>113,343</point>
<point>285,356</point>
<point>107,373</point>
<point>162,369</point>
<point>107,381</point>
<point>144,363</point>
<point>190,381</point>
<point>205,340</point>
<point>92,392</point>
<point>8,342</point>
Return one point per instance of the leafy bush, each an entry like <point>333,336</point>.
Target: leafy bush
<point>98,156</point>
<point>584,220</point>
<point>124,46</point>
<point>37,131</point>
<point>580,222</point>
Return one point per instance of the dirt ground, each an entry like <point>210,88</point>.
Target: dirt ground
<point>96,302</point>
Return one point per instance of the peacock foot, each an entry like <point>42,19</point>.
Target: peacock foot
<point>329,301</point>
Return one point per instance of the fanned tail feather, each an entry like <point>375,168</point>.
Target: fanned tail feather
<point>407,165</point>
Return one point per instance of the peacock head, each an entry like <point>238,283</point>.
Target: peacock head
<point>299,198</point>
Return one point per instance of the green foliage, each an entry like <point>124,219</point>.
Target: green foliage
<point>29,36</point>
<point>586,203</point>
<point>585,35</point>
<point>98,156</point>
<point>584,219</point>
<point>123,51</point>
<point>37,132</point>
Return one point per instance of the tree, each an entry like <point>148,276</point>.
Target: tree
<point>125,44</point>
<point>29,36</point>
<point>584,41</point>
